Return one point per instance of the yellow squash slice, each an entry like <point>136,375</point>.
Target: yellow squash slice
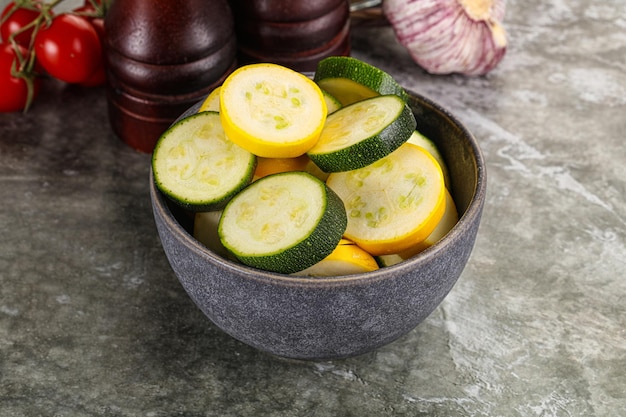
<point>211,102</point>
<point>393,203</point>
<point>419,139</point>
<point>447,222</point>
<point>272,111</point>
<point>346,259</point>
<point>268,166</point>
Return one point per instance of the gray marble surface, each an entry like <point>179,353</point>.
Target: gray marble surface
<point>94,323</point>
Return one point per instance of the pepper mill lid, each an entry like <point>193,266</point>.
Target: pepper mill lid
<point>163,56</point>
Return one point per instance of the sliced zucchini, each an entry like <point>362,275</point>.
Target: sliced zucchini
<point>272,111</point>
<point>389,260</point>
<point>394,203</point>
<point>314,170</point>
<point>332,104</point>
<point>212,101</point>
<point>283,223</point>
<point>447,222</point>
<point>268,166</point>
<point>346,259</point>
<point>351,80</point>
<point>362,133</point>
<point>197,166</point>
<point>420,140</point>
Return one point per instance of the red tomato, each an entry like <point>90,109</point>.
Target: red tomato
<point>97,78</point>
<point>14,90</point>
<point>69,48</point>
<point>19,18</point>
<point>98,25</point>
<point>89,12</point>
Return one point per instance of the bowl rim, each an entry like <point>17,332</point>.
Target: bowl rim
<point>466,221</point>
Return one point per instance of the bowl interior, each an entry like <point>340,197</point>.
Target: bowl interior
<point>460,151</point>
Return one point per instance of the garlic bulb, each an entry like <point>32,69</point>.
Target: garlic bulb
<point>450,36</point>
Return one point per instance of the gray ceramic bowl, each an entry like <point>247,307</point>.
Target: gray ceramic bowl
<point>326,318</point>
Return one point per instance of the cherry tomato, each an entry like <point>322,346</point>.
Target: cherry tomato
<point>18,18</point>
<point>97,78</point>
<point>98,25</point>
<point>93,13</point>
<point>69,48</point>
<point>89,12</point>
<point>14,90</point>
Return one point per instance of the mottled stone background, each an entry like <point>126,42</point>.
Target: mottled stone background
<point>94,323</point>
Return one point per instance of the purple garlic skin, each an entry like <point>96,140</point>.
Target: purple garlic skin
<point>450,36</point>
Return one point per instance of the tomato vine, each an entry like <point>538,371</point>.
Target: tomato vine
<point>26,25</point>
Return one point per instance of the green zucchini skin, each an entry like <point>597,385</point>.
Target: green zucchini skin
<point>361,72</point>
<point>216,205</point>
<point>178,195</point>
<point>312,249</point>
<point>369,150</point>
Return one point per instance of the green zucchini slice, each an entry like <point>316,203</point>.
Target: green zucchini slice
<point>362,133</point>
<point>197,166</point>
<point>283,223</point>
<point>350,80</point>
<point>332,104</point>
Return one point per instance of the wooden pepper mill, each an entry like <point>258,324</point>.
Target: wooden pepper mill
<point>162,56</point>
<point>297,34</point>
